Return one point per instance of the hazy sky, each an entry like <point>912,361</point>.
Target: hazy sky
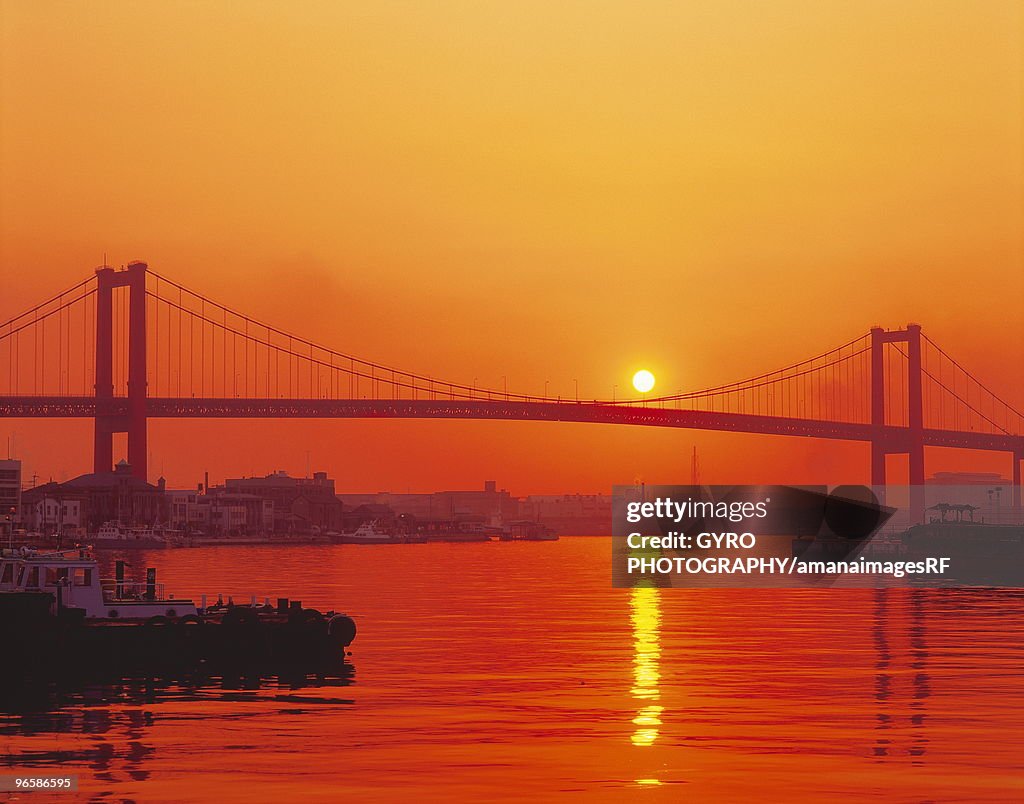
<point>532,190</point>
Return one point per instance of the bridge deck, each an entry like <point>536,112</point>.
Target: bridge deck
<point>895,437</point>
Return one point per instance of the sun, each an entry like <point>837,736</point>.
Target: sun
<point>643,381</point>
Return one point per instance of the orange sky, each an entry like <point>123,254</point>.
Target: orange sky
<point>476,190</point>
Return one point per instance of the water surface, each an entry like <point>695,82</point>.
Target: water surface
<point>505,671</point>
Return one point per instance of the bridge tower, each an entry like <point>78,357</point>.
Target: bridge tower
<point>108,419</point>
<point>886,439</point>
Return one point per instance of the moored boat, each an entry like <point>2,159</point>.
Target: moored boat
<point>528,531</point>
<point>367,533</point>
<point>467,536</point>
<point>115,536</point>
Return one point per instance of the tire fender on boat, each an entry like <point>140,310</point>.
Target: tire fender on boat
<point>342,629</point>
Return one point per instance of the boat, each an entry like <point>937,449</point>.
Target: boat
<point>466,536</point>
<point>115,536</point>
<point>66,618</point>
<point>527,531</point>
<point>72,579</point>
<point>464,532</point>
<point>367,533</point>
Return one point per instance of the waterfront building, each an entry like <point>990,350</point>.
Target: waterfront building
<point>297,504</point>
<point>488,505</point>
<point>580,514</point>
<point>102,497</point>
<point>10,495</point>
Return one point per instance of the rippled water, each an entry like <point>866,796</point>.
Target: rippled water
<point>511,670</point>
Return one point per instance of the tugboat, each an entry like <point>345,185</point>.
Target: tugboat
<point>72,579</point>
<point>65,618</point>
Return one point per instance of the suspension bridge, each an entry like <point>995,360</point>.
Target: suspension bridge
<point>124,346</point>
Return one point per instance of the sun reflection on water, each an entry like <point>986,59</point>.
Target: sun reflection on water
<point>646,618</point>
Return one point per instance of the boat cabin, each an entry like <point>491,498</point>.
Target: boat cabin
<point>72,577</point>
